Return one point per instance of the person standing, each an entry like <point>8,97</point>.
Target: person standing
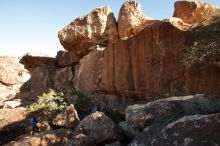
<point>34,123</point>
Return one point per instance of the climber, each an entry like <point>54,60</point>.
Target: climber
<point>34,123</point>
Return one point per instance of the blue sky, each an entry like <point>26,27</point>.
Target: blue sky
<point>33,25</point>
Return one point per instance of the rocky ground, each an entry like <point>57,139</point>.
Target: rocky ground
<point>119,82</point>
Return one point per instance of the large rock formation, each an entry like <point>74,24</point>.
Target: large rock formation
<point>195,130</point>
<point>11,71</point>
<point>192,11</point>
<point>131,20</point>
<point>45,75</point>
<point>97,27</point>
<point>149,64</point>
<point>167,110</point>
<point>143,65</point>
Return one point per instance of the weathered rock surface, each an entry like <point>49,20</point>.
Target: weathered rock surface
<point>8,93</point>
<point>46,77</point>
<point>149,65</point>
<point>131,20</point>
<point>167,110</point>
<point>177,22</point>
<point>63,79</point>
<point>129,130</point>
<point>11,71</point>
<point>149,72</point>
<point>94,129</point>
<point>10,116</point>
<point>33,60</point>
<point>69,118</point>
<point>52,137</point>
<point>192,11</point>
<point>12,104</point>
<point>194,130</point>
<point>12,123</point>
<point>66,59</point>
<point>97,27</point>
<point>88,72</point>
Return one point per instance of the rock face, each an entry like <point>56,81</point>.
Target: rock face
<point>32,60</point>
<point>167,110</point>
<point>45,75</point>
<point>52,137</point>
<point>143,66</point>
<point>97,27</point>
<point>186,131</point>
<point>59,79</point>
<point>193,11</point>
<point>131,20</point>
<point>66,59</point>
<point>95,128</point>
<point>88,72</point>
<point>11,71</point>
<point>69,118</point>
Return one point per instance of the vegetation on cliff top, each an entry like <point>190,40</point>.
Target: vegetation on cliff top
<point>206,44</point>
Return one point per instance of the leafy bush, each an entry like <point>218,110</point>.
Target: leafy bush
<point>49,102</point>
<point>206,43</point>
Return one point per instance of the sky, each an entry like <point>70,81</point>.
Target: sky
<point>33,25</point>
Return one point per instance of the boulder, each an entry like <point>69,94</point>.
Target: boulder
<point>11,71</point>
<point>69,118</point>
<point>129,130</point>
<point>193,130</point>
<point>192,11</point>
<point>12,104</point>
<point>80,139</point>
<point>32,60</point>
<point>66,59</point>
<point>131,20</point>
<point>97,27</point>
<point>97,128</point>
<point>13,123</point>
<point>11,116</point>
<point>168,110</point>
<point>52,137</point>
<point>88,74</point>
